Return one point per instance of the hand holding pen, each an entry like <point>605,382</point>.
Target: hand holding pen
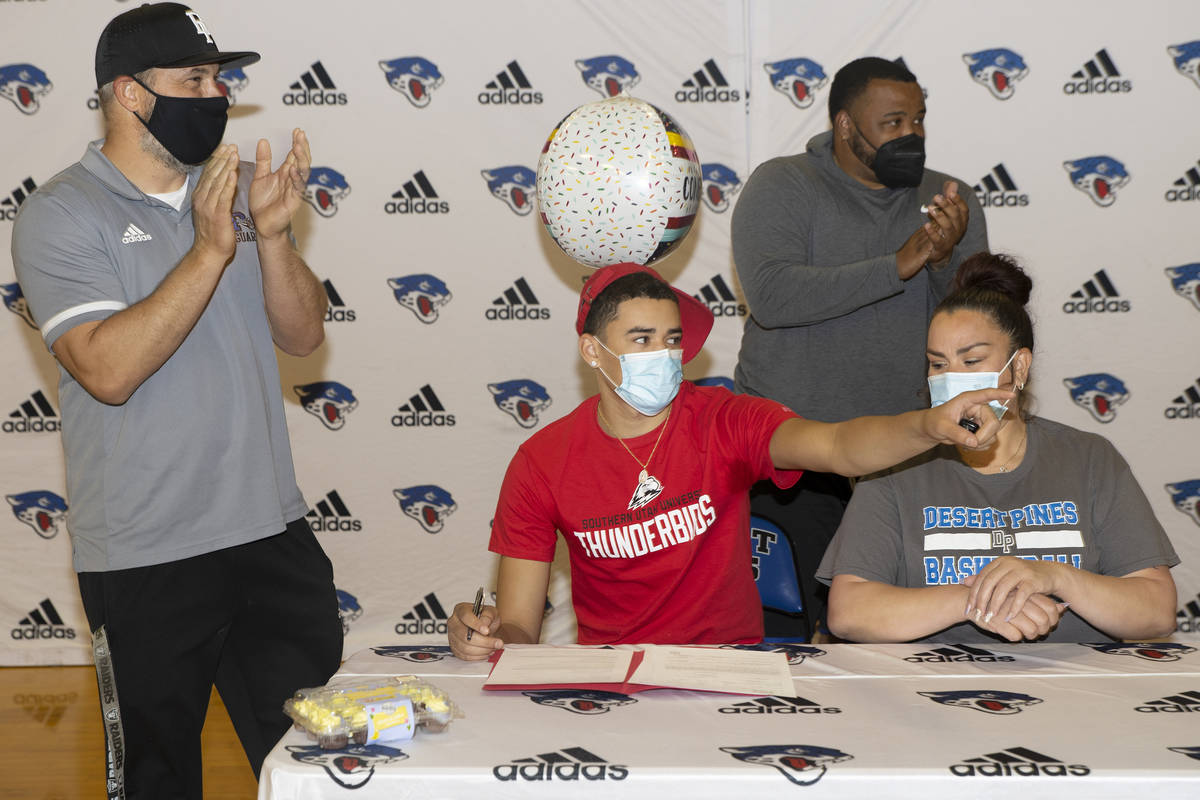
<point>475,609</point>
<point>468,620</point>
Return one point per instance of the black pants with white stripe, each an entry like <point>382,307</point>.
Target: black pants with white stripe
<point>259,621</point>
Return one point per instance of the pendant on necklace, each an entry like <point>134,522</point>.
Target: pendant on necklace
<point>647,489</point>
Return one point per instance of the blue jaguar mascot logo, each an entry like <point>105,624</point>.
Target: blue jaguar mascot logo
<point>325,188</point>
<point>428,505</point>
<point>14,301</point>
<point>1100,393</point>
<point>348,609</point>
<point>515,186</point>
<point>350,767</point>
<point>796,653</point>
<point>580,701</point>
<point>328,401</point>
<point>1185,280</point>
<point>996,69</point>
<point>1098,177</point>
<point>42,511</point>
<point>989,701</point>
<point>416,653</point>
<point>1186,497</point>
<point>797,78</point>
<point>231,82</point>
<point>792,760</point>
<point>720,184</point>
<point>1187,59</point>
<point>421,294</point>
<point>1148,651</point>
<point>24,84</point>
<point>412,76</point>
<point>522,399</point>
<point>608,75</point>
<point>243,228</point>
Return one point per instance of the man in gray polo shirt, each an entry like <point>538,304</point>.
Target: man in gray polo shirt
<point>162,287</point>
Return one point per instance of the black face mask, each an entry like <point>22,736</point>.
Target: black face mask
<point>898,163</point>
<point>190,128</point>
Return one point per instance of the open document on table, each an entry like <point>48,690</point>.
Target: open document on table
<point>633,669</point>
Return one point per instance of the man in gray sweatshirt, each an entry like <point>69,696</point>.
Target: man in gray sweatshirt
<point>841,269</point>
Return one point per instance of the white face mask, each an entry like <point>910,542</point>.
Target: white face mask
<point>649,381</point>
<point>947,385</point>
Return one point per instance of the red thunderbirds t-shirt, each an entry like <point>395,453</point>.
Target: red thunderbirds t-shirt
<point>675,570</point>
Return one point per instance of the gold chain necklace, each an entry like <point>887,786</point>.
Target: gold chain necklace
<point>649,487</point>
<point>1024,433</point>
<point>1004,467</point>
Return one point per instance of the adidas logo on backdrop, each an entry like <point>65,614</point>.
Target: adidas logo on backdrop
<point>707,85</point>
<point>1016,761</point>
<point>997,190</point>
<point>42,622</point>
<point>1186,187</point>
<point>510,87</point>
<point>315,88</point>
<point>778,705</point>
<point>956,653</point>
<point>427,618</point>
<point>1186,405</point>
<point>10,204</point>
<point>567,764</point>
<point>720,299</point>
<point>423,410</point>
<point>1182,703</point>
<point>1099,75</point>
<point>331,514</point>
<point>336,311</point>
<point>416,196</point>
<point>1096,296</point>
<point>517,302</point>
<point>34,415</point>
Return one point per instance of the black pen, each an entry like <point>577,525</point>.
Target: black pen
<point>476,609</point>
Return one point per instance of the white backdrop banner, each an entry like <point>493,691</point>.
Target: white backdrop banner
<point>449,335</point>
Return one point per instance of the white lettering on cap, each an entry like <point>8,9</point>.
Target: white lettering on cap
<point>200,26</point>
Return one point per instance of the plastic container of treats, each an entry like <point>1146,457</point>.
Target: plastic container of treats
<point>366,710</point>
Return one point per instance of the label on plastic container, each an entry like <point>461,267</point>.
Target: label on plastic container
<point>390,720</point>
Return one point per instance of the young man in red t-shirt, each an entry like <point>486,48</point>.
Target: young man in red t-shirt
<point>647,481</point>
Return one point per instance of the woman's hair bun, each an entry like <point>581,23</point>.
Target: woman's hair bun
<point>993,272</point>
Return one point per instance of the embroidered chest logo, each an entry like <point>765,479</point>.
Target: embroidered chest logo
<point>243,228</point>
<point>135,234</point>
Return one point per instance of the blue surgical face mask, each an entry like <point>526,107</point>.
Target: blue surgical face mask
<point>947,385</point>
<point>649,381</point>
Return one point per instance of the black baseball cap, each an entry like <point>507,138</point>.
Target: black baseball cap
<point>159,35</point>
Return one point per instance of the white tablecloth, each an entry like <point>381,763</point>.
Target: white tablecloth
<point>881,721</point>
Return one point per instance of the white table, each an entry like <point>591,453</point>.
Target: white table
<point>880,721</point>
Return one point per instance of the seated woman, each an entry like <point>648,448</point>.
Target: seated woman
<point>1044,534</point>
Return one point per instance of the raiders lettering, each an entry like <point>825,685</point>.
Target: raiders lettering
<point>674,526</point>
